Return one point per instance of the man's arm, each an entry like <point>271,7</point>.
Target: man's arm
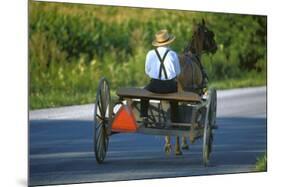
<point>147,64</point>
<point>177,64</point>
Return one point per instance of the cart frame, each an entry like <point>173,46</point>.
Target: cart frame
<point>104,116</point>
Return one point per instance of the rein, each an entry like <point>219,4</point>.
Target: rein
<point>190,47</point>
<point>195,56</point>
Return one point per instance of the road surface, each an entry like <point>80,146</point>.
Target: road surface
<point>61,145</point>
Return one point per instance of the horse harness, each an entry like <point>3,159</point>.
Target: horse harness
<point>194,87</point>
<point>162,67</point>
<point>197,60</point>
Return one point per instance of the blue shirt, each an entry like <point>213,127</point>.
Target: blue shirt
<point>171,63</point>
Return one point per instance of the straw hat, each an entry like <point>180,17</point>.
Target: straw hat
<point>162,37</point>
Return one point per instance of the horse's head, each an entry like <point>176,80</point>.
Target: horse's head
<point>203,39</point>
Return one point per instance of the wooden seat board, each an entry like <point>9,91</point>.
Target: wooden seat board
<point>145,94</point>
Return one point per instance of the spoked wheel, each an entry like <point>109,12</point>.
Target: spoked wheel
<point>102,120</point>
<point>213,108</point>
<point>211,120</point>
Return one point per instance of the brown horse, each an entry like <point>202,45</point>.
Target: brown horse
<point>193,77</point>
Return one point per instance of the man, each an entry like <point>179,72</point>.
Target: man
<point>162,66</point>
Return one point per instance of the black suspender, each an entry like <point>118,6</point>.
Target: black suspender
<point>162,67</point>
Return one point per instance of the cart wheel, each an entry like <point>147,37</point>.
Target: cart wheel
<point>208,135</point>
<point>102,120</point>
<point>213,108</point>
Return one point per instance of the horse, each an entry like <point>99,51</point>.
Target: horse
<point>193,76</point>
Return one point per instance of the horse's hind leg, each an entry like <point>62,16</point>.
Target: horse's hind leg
<point>168,147</point>
<point>177,146</point>
<point>184,145</point>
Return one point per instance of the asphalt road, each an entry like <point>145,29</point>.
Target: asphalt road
<point>61,145</point>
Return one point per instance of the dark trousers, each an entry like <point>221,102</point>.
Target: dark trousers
<point>160,86</point>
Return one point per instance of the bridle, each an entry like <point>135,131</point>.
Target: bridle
<point>191,46</point>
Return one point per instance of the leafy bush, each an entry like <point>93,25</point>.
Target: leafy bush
<point>71,46</point>
<point>261,164</point>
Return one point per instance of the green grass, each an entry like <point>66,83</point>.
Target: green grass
<point>71,46</point>
<point>60,98</point>
<point>239,83</point>
<point>57,99</point>
<point>261,164</point>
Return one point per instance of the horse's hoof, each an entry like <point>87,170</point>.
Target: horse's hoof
<point>168,148</point>
<point>178,152</point>
<point>185,146</point>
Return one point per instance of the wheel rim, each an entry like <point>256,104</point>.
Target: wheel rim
<point>213,108</point>
<point>206,145</point>
<point>213,116</point>
<point>102,120</point>
<point>208,136</point>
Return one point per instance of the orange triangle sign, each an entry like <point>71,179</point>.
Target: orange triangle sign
<point>124,120</point>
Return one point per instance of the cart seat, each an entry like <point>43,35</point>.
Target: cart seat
<point>140,93</point>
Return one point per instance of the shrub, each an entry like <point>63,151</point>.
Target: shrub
<point>71,46</point>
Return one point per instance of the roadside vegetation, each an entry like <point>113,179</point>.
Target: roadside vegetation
<point>261,164</point>
<point>71,46</point>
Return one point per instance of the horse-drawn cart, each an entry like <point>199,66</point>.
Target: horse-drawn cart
<point>196,116</point>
